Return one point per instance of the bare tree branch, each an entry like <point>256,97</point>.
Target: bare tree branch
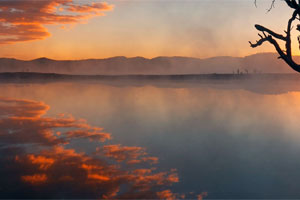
<point>272,36</point>
<point>288,33</point>
<point>264,29</point>
<point>272,6</point>
<point>260,42</point>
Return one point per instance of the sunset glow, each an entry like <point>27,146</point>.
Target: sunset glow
<point>71,29</point>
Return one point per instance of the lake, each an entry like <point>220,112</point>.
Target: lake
<point>150,139</point>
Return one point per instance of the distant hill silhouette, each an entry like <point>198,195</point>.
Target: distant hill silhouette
<point>258,63</point>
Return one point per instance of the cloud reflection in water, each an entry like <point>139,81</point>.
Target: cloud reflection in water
<point>37,163</point>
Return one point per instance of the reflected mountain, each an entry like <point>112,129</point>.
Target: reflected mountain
<point>40,158</point>
<point>257,83</point>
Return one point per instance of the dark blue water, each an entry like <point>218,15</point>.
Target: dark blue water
<point>121,140</point>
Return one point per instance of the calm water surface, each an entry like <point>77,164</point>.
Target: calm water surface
<point>130,140</point>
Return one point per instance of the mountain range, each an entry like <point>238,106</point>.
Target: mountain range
<point>257,63</point>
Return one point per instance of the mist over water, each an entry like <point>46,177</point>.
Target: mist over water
<point>229,139</point>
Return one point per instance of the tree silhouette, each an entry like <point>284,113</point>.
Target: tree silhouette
<point>267,35</point>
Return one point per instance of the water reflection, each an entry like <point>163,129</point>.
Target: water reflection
<point>227,141</point>
<point>37,162</point>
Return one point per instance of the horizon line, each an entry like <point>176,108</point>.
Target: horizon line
<point>147,58</point>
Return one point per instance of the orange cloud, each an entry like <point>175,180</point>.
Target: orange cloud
<point>121,153</point>
<point>43,162</point>
<point>24,121</point>
<point>98,177</point>
<point>94,7</point>
<point>169,195</point>
<point>22,108</point>
<point>35,179</point>
<point>202,195</point>
<point>24,20</point>
<point>92,135</point>
<point>152,160</point>
<point>95,175</point>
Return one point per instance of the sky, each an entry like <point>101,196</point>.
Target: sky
<point>82,29</point>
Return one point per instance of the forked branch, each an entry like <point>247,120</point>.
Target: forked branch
<point>286,54</point>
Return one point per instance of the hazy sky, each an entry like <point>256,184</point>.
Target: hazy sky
<point>70,29</point>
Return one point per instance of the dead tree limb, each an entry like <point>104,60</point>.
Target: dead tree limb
<point>272,37</point>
